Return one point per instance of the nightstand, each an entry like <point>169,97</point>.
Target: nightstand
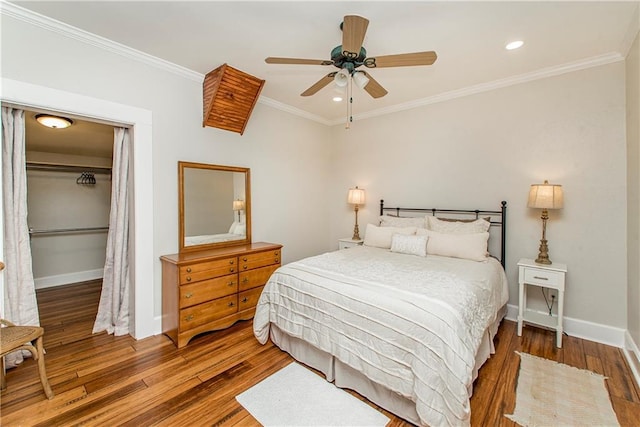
<point>349,243</point>
<point>550,276</point>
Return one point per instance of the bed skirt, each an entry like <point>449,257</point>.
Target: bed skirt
<point>344,376</point>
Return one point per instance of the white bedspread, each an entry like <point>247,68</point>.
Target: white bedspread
<point>410,323</point>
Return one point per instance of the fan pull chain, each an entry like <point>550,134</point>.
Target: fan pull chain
<point>350,103</point>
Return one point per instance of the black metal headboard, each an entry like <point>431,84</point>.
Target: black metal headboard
<point>498,219</point>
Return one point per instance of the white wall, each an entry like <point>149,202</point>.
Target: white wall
<point>475,151</point>
<point>288,196</point>
<point>633,190</point>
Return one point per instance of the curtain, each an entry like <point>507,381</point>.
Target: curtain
<point>113,311</point>
<point>21,306</point>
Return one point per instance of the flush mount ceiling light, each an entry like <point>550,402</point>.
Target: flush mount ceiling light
<point>514,45</point>
<point>54,122</point>
<point>337,98</point>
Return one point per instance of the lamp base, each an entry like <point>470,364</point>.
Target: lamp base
<point>543,254</point>
<point>356,233</point>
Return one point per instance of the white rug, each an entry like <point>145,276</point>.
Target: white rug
<point>554,394</point>
<point>295,396</point>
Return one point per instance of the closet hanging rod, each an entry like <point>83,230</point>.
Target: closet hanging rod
<point>66,168</point>
<point>68,230</point>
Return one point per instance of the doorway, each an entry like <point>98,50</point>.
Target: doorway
<point>19,94</point>
<point>68,204</point>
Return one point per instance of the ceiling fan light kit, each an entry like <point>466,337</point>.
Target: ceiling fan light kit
<point>350,55</point>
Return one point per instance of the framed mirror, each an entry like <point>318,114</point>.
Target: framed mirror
<point>215,206</point>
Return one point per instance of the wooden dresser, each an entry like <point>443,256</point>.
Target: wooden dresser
<point>212,289</point>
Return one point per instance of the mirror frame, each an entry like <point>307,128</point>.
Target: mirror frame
<point>247,191</point>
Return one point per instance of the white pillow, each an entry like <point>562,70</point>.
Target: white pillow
<point>232,229</point>
<point>412,245</point>
<point>240,229</point>
<point>471,246</point>
<point>394,221</point>
<point>380,237</point>
<point>457,227</point>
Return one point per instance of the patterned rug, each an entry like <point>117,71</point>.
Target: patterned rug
<point>555,394</point>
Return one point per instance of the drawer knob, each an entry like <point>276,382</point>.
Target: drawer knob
<point>232,270</point>
<point>230,283</point>
<point>245,280</point>
<point>244,266</point>
<point>231,304</point>
<point>189,318</point>
<point>277,260</point>
<point>188,295</point>
<point>244,299</point>
<point>276,253</point>
<point>188,278</point>
<point>540,278</point>
<point>244,259</point>
<point>231,262</point>
<point>188,269</point>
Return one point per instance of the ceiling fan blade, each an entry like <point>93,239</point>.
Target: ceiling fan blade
<point>298,61</point>
<point>319,84</point>
<point>354,28</point>
<point>374,88</point>
<point>401,60</point>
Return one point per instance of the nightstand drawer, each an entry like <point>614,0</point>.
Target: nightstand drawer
<point>542,277</point>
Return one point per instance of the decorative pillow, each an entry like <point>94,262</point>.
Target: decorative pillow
<point>471,246</point>
<point>241,229</point>
<point>232,229</point>
<point>409,244</point>
<point>456,226</point>
<point>380,237</point>
<point>395,221</point>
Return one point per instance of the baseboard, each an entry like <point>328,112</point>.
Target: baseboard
<point>65,279</point>
<point>157,325</point>
<point>632,353</point>
<point>584,329</point>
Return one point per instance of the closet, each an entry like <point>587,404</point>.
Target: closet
<point>68,202</point>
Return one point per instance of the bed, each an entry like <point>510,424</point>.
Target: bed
<point>407,326</point>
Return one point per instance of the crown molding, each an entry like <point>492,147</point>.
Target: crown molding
<point>543,73</point>
<point>33,18</point>
<point>66,30</point>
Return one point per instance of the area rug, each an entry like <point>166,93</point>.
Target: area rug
<point>555,394</point>
<point>295,396</point>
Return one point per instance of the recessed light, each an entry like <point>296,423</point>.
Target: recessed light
<point>514,45</point>
<point>337,98</point>
<point>54,122</point>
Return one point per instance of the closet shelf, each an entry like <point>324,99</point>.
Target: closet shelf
<point>66,168</point>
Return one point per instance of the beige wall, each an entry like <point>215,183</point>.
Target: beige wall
<point>633,189</point>
<point>475,151</point>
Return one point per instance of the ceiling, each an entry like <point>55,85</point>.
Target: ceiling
<point>469,38</point>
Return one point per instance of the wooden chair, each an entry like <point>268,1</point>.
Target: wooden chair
<point>13,338</point>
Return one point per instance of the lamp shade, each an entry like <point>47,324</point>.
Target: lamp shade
<point>341,78</point>
<point>545,196</point>
<point>356,196</point>
<point>238,205</point>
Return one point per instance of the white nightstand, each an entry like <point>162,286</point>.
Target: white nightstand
<point>349,243</point>
<point>547,276</point>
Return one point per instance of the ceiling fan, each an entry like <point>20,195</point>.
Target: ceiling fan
<point>351,55</point>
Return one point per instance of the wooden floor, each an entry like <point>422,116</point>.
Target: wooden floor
<point>106,380</point>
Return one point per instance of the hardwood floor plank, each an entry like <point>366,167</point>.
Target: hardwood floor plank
<point>105,380</point>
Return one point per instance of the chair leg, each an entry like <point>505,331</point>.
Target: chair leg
<point>3,380</point>
<point>42,370</point>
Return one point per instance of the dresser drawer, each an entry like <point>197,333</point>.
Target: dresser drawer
<point>207,270</point>
<point>249,299</point>
<point>260,259</point>
<point>206,290</point>
<point>542,277</point>
<point>254,278</point>
<point>208,312</point>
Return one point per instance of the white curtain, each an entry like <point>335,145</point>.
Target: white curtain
<point>113,311</point>
<point>20,302</point>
